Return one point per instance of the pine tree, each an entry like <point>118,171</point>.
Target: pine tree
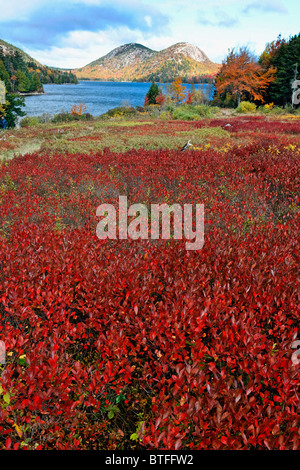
<point>36,84</point>
<point>13,109</point>
<point>18,61</point>
<point>285,62</point>
<point>152,94</point>
<point>4,76</point>
<point>23,83</point>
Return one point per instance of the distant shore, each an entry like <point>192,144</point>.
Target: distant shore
<point>32,93</point>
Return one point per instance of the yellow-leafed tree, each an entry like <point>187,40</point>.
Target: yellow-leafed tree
<point>177,90</point>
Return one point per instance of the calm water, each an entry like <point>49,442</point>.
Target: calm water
<point>99,97</point>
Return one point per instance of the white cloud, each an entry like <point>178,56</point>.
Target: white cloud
<point>148,20</point>
<point>9,9</point>
<point>260,25</point>
<point>82,47</point>
<point>266,6</point>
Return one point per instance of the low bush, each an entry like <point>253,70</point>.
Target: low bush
<point>246,107</point>
<point>67,117</point>
<point>190,113</point>
<point>118,111</point>
<point>29,121</point>
<point>289,108</point>
<point>130,344</point>
<point>271,109</point>
<point>277,110</point>
<point>267,108</point>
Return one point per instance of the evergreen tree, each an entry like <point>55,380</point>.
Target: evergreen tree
<point>285,61</point>
<point>23,83</point>
<point>152,94</point>
<point>4,76</point>
<point>36,84</point>
<point>13,109</point>
<point>18,61</point>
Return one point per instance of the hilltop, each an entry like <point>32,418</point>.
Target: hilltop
<point>135,62</point>
<point>7,49</point>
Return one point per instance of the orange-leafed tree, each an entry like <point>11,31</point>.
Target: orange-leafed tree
<point>177,90</point>
<point>241,77</point>
<point>78,109</point>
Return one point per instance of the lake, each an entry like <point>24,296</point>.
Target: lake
<point>99,97</point>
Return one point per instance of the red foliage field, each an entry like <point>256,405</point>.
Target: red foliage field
<point>123,344</point>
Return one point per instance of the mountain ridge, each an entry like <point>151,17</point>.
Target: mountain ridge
<point>8,48</point>
<point>136,62</point>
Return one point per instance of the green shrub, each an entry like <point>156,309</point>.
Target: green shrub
<point>153,110</point>
<point>29,121</point>
<point>87,117</point>
<point>63,117</point>
<point>191,113</point>
<point>246,107</point>
<point>67,117</point>
<point>165,116</point>
<point>277,110</point>
<point>45,117</point>
<point>184,114</point>
<point>268,109</point>
<point>118,111</point>
<point>205,110</point>
<point>170,107</point>
<point>289,108</point>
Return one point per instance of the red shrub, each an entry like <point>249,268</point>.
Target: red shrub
<point>189,349</point>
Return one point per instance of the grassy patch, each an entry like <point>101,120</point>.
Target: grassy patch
<point>121,123</point>
<point>27,147</point>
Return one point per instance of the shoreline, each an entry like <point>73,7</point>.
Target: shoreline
<point>33,93</point>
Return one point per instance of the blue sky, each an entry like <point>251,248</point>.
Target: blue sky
<point>72,33</point>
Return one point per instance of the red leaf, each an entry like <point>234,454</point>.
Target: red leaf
<point>8,443</point>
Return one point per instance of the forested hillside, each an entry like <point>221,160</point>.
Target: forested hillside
<point>21,73</point>
<point>135,62</point>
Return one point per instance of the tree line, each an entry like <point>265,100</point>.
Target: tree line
<point>21,77</point>
<point>267,79</point>
<point>26,77</point>
<point>272,78</point>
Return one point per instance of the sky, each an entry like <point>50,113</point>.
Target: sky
<point>73,33</point>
